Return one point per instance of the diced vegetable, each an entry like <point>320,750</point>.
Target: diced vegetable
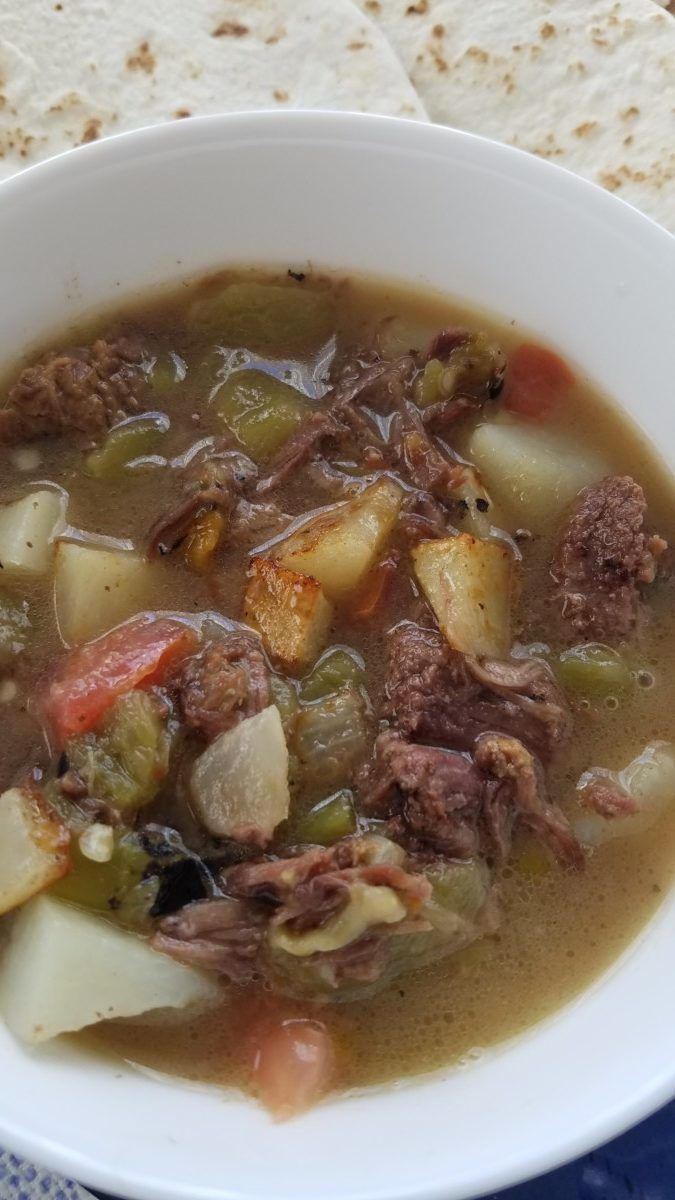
<point>334,669</point>
<point>531,471</point>
<point>594,670</point>
<point>65,969</point>
<point>33,847</point>
<point>94,676</point>
<point>285,698</point>
<point>102,886</point>
<point>469,585</point>
<point>290,611</point>
<point>203,539</point>
<point>135,438</point>
<point>260,410</point>
<point>28,528</point>
<point>166,373</point>
<point>14,626</point>
<point>293,1066</point>
<point>470,369</point>
<point>329,820</point>
<point>649,780</point>
<point>282,322</point>
<point>331,738</point>
<point>366,907</point>
<point>239,784</point>
<point>374,591</point>
<point>537,380</point>
<point>339,547</point>
<point>126,760</point>
<point>397,337</point>
<point>95,589</point>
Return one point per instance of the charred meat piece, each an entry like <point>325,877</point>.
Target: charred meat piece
<point>434,694</point>
<point>225,682</point>
<point>87,391</point>
<point>603,558</point>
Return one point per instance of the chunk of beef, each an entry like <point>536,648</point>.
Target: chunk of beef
<point>604,556</point>
<point>435,794</point>
<point>222,935</point>
<point>225,682</point>
<point>443,802</point>
<point>434,694</point>
<point>85,391</point>
<point>300,446</point>
<point>521,798</point>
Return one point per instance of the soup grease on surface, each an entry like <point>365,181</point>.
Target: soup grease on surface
<point>465,674</point>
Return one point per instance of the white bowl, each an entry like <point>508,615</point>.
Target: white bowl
<point>530,242</point>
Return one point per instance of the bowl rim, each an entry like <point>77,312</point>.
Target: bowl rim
<point>410,136</point>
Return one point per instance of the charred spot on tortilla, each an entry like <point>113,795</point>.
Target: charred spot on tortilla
<point>143,59</point>
<point>230,29</point>
<point>92,130</point>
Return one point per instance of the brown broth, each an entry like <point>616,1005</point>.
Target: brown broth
<point>559,930</point>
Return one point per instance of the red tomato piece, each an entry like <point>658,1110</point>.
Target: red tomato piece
<point>293,1066</point>
<point>536,380</point>
<point>96,674</point>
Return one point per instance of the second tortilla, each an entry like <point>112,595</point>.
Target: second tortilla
<point>76,70</point>
<point>587,84</point>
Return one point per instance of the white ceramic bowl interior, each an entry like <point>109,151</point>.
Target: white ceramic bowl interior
<point>527,241</point>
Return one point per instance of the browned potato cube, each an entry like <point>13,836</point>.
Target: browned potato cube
<point>469,585</point>
<point>290,611</point>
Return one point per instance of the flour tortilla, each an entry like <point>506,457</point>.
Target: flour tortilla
<point>589,84</point>
<point>75,70</point>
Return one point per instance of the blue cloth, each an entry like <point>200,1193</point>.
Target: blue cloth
<point>638,1166</point>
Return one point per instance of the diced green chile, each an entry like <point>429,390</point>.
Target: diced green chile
<point>260,410</point>
<point>331,739</point>
<point>104,886</point>
<point>594,670</point>
<point>282,322</point>
<point>125,761</point>
<point>133,439</point>
<point>334,670</point>
<point>285,697</point>
<point>329,820</point>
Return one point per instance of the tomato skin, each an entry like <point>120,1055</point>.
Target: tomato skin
<point>94,675</point>
<point>293,1066</point>
<point>536,381</point>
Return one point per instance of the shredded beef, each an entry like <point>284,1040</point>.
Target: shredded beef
<point>223,935</point>
<point>308,889</point>
<point>225,682</point>
<point>522,798</point>
<point>605,796</point>
<point>434,694</point>
<point>436,793</point>
<point>217,478</point>
<point>604,556</point>
<point>85,391</point>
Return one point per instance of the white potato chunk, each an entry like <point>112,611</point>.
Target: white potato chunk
<point>239,784</point>
<point>339,547</point>
<point>64,969</point>
<point>290,611</point>
<point>95,589</point>
<point>532,471</point>
<point>469,585</point>
<point>28,528</point>
<point>33,847</point>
